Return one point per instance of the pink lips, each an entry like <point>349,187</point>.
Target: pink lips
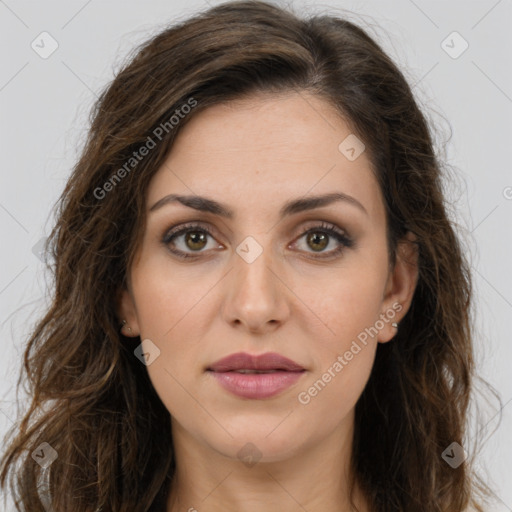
<point>236,373</point>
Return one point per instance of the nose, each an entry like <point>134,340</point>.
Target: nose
<point>257,296</point>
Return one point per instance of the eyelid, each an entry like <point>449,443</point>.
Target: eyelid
<point>323,225</point>
<point>343,238</point>
<point>178,229</point>
<point>309,224</point>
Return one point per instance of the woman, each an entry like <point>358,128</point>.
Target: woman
<point>260,303</point>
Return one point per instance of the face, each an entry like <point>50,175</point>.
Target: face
<point>311,284</point>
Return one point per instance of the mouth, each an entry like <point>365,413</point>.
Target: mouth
<point>255,371</point>
<point>256,377</point>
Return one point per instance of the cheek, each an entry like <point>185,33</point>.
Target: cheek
<point>337,307</point>
<point>167,301</point>
<point>170,306</point>
<point>342,326</point>
<point>343,348</point>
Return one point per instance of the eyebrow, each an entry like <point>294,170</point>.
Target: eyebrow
<point>291,207</point>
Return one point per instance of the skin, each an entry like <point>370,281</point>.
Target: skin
<point>254,155</point>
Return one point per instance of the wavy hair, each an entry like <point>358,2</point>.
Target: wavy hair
<point>92,400</point>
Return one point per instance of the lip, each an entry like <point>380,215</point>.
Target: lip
<point>280,374</point>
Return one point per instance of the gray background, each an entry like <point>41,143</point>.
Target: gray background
<point>44,105</point>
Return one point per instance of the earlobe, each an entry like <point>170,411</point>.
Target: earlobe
<point>127,313</point>
<point>400,286</point>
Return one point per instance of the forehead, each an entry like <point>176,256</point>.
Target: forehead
<point>260,151</point>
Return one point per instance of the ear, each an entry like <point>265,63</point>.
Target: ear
<point>126,310</point>
<point>400,285</point>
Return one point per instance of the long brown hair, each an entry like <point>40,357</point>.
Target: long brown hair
<point>92,400</point>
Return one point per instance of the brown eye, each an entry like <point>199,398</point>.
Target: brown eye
<point>195,240</point>
<point>320,240</point>
<point>186,240</point>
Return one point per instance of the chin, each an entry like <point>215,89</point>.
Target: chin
<point>267,439</point>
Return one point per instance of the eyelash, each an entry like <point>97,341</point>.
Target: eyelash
<point>324,227</point>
